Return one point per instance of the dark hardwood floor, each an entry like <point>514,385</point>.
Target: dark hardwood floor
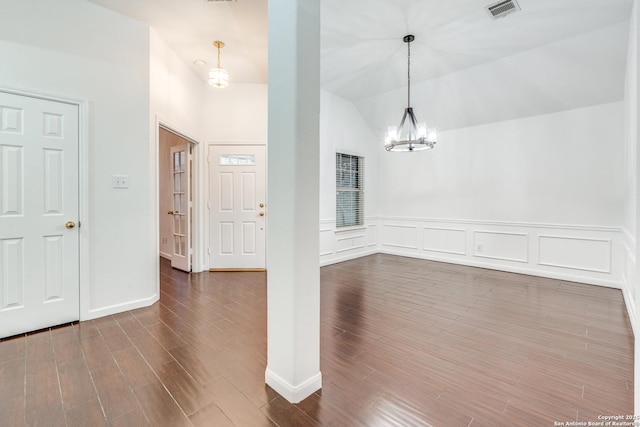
<point>404,342</point>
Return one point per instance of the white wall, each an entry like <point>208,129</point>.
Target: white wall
<point>73,49</point>
<point>235,114</point>
<point>342,129</point>
<point>561,168</point>
<point>539,195</point>
<point>177,95</point>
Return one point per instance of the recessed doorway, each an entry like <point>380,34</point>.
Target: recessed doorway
<point>175,199</point>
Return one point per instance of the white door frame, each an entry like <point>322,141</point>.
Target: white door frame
<point>83,188</point>
<point>197,241</point>
<point>205,176</point>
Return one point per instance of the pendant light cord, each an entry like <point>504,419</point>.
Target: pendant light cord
<point>409,74</point>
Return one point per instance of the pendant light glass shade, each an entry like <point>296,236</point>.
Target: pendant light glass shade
<point>218,77</point>
<point>410,135</point>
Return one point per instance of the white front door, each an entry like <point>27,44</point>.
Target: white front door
<point>237,192</point>
<point>182,206</point>
<point>39,237</point>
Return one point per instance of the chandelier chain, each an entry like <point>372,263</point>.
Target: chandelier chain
<point>409,74</point>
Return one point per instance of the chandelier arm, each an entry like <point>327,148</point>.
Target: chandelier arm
<point>412,116</point>
<point>413,129</point>
<point>404,117</point>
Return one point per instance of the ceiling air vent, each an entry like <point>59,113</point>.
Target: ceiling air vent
<point>503,8</point>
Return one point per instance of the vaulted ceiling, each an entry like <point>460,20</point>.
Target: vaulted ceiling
<point>362,53</point>
<point>190,27</point>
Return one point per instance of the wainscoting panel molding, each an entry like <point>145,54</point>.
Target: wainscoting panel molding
<point>400,236</point>
<point>575,253</point>
<point>348,243</point>
<point>372,235</point>
<point>447,240</point>
<point>337,245</point>
<point>327,241</point>
<point>587,254</point>
<point>501,245</point>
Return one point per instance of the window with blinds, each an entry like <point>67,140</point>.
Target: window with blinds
<point>349,190</point>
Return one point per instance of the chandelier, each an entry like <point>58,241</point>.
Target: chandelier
<point>411,135</point>
<point>218,77</point>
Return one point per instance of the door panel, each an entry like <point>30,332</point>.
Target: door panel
<point>226,192</point>
<point>249,233</point>
<point>53,179</point>
<point>237,185</point>
<point>248,191</point>
<point>12,182</point>
<point>39,252</point>
<point>12,278</point>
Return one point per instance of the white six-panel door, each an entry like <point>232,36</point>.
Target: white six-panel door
<point>237,191</point>
<point>39,241</point>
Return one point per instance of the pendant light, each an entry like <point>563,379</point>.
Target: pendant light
<point>218,77</point>
<point>411,135</point>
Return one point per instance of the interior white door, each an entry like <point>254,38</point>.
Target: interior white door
<point>237,191</point>
<point>39,237</point>
<point>182,206</point>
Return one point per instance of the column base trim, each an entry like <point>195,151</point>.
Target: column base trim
<point>294,394</point>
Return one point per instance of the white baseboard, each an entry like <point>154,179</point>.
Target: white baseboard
<point>165,255</point>
<point>631,310</point>
<point>294,394</point>
<point>119,308</point>
<point>509,268</point>
<point>336,260</point>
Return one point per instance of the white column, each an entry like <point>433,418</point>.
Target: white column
<point>293,269</point>
<point>632,95</point>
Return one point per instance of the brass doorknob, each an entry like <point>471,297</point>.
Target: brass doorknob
<point>261,205</point>
<point>261,213</point>
<point>70,224</point>
<point>170,212</point>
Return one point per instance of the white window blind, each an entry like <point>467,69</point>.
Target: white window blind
<point>349,190</point>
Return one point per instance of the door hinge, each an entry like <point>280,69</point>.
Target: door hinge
<point>208,251</point>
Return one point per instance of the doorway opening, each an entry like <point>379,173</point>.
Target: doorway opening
<point>176,207</point>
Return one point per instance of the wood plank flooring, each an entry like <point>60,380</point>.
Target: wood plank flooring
<point>404,342</point>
